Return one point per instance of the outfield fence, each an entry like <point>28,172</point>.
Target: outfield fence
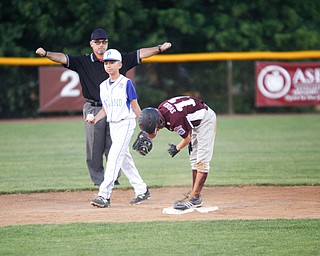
<point>226,80</point>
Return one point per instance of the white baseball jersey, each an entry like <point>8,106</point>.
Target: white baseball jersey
<point>116,98</point>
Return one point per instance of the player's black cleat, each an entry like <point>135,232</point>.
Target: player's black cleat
<point>140,198</point>
<point>191,202</point>
<point>100,202</point>
<point>186,196</point>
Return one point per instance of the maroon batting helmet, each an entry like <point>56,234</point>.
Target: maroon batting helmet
<point>149,120</point>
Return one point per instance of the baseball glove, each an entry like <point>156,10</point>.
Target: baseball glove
<point>142,144</point>
<point>172,150</point>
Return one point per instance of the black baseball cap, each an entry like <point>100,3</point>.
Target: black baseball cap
<point>99,33</point>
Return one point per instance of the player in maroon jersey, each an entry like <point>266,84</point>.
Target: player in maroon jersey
<point>195,122</point>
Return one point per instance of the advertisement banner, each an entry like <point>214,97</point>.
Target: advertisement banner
<point>287,84</point>
<point>60,90</point>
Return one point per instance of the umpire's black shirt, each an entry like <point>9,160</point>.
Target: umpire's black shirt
<point>91,71</point>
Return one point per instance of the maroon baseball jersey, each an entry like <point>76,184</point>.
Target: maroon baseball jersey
<point>182,114</point>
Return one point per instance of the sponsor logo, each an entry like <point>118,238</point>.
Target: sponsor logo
<point>274,82</point>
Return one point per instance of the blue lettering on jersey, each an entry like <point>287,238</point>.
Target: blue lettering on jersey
<point>113,102</point>
<point>180,130</point>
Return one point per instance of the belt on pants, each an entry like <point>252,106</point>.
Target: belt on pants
<point>93,103</point>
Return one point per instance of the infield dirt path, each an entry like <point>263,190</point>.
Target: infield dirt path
<point>263,202</point>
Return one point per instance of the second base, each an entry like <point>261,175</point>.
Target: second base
<point>171,210</point>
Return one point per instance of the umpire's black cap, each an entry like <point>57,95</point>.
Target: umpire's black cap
<point>99,33</point>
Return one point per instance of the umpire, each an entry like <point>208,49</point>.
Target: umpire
<point>91,73</point>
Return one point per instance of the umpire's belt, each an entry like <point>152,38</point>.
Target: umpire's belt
<point>93,103</point>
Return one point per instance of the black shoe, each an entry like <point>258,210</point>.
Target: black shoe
<point>191,202</point>
<point>100,202</point>
<point>186,196</point>
<point>117,183</point>
<point>140,198</point>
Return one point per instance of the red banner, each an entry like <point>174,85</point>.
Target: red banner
<point>60,89</point>
<point>287,84</point>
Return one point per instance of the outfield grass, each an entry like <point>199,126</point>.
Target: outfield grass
<point>264,237</point>
<point>50,156</point>
<point>281,150</point>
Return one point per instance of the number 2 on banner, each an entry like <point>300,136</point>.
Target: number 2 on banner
<point>69,89</point>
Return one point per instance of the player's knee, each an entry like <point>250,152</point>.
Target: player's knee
<point>203,167</point>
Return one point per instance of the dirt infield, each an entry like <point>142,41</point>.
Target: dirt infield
<point>253,202</point>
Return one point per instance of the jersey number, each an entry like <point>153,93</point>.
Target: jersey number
<point>179,106</point>
<point>69,89</point>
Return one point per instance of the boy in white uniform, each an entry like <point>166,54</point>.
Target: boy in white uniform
<point>121,108</point>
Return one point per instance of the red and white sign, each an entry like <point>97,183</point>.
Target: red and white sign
<point>287,84</point>
<point>60,90</point>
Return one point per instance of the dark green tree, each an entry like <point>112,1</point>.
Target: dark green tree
<point>191,26</point>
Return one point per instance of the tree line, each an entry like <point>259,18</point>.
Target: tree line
<point>191,26</point>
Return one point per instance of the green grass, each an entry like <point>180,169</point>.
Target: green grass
<point>50,156</point>
<point>265,237</point>
<point>42,156</point>
<point>280,150</point>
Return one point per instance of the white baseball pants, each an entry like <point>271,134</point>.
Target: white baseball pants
<point>120,157</point>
